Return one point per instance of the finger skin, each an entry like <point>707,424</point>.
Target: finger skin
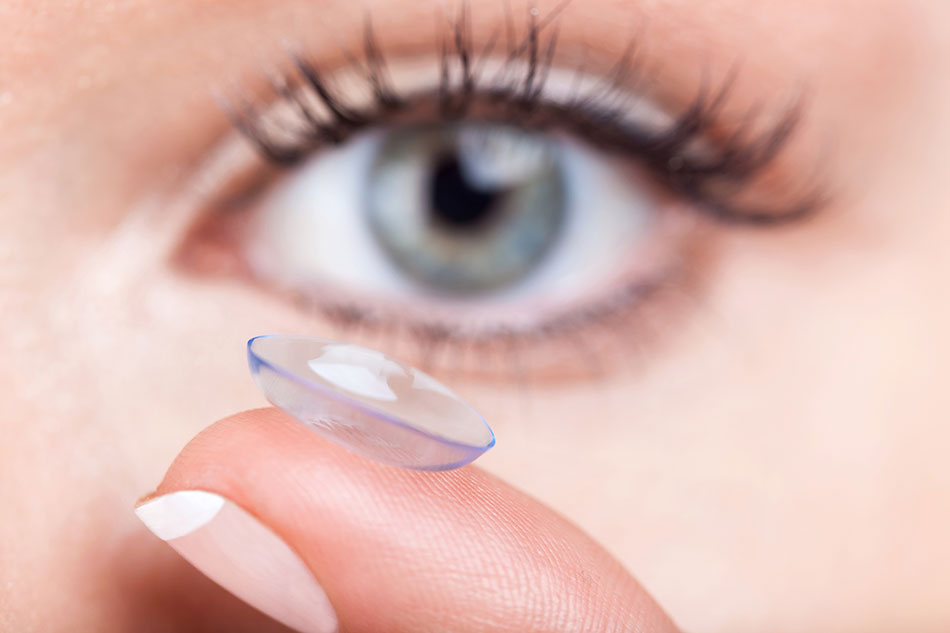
<point>399,550</point>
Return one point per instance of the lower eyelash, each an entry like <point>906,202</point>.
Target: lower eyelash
<point>610,330</point>
<point>615,333</point>
<point>688,153</point>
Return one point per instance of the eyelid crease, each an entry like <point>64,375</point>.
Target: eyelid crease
<point>693,153</point>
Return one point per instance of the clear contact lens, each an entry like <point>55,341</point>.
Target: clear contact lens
<point>369,402</point>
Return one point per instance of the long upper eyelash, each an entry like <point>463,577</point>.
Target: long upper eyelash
<point>710,178</point>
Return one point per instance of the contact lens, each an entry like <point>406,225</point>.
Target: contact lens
<point>368,401</point>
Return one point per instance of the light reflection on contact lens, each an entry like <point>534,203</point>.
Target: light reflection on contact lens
<point>368,401</point>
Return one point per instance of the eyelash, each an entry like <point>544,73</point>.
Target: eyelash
<point>691,156</point>
<point>712,179</point>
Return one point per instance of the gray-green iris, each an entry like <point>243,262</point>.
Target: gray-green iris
<point>466,208</point>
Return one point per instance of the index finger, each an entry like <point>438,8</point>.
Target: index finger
<point>390,549</point>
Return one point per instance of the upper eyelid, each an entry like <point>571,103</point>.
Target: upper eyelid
<point>527,48</point>
<point>324,106</point>
<point>326,116</point>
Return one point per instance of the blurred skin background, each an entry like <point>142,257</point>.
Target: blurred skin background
<point>762,444</point>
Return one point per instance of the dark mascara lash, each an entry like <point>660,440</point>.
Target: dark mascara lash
<point>710,178</point>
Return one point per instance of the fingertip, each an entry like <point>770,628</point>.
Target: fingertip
<point>396,549</point>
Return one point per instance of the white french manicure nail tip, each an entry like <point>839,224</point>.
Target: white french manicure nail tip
<point>175,515</point>
<point>242,555</point>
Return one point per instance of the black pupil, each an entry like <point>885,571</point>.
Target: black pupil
<point>456,203</point>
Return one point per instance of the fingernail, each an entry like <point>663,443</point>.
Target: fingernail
<point>242,555</point>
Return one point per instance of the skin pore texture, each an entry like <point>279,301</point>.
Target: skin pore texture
<point>774,461</point>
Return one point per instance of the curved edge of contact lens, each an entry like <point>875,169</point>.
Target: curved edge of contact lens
<point>256,361</point>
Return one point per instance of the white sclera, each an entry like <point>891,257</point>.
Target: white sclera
<point>369,402</point>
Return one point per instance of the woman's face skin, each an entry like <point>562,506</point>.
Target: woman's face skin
<point>767,455</point>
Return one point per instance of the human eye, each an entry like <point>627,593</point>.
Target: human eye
<point>497,192</point>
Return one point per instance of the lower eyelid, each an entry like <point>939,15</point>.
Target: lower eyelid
<point>621,334</point>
